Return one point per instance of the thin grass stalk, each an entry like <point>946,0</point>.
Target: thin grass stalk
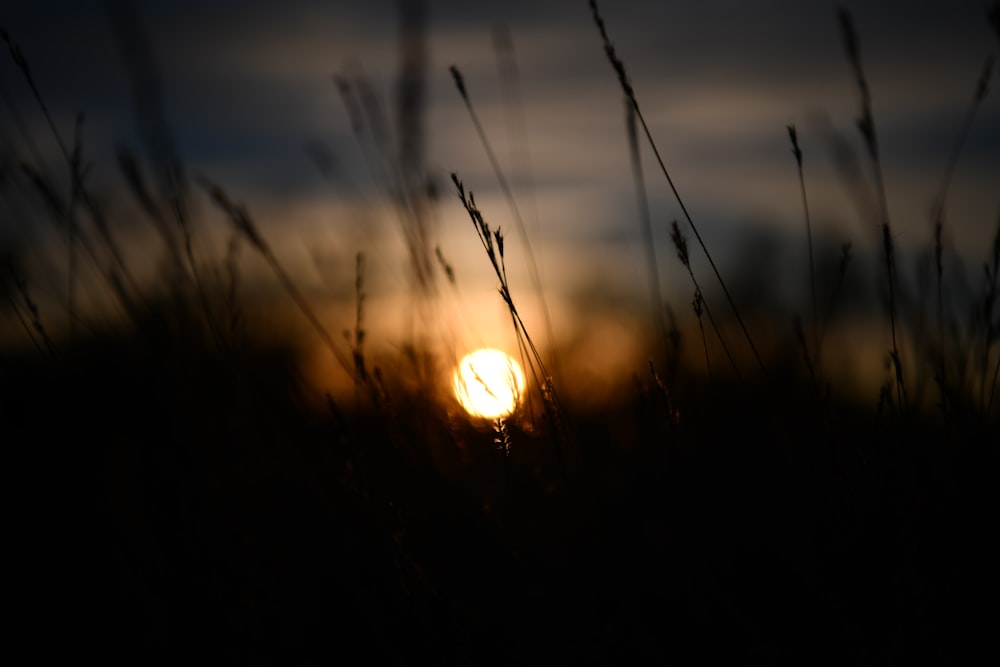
<point>645,225</point>
<point>520,158</point>
<point>447,268</point>
<point>60,213</point>
<point>129,166</point>
<point>71,259</point>
<point>371,131</point>
<point>22,64</point>
<point>866,126</point>
<point>410,108</point>
<point>395,181</point>
<point>196,276</point>
<point>698,303</point>
<point>674,347</point>
<point>993,388</point>
<point>346,87</point>
<point>120,268</point>
<point>493,243</point>
<point>517,132</point>
<point>982,88</point>
<point>34,316</point>
<point>18,122</point>
<point>358,348</point>
<point>680,242</point>
<point>148,106</point>
<point>619,68</point>
<point>845,260</point>
<point>942,365</point>
<point>937,216</point>
<point>991,332</point>
<point>241,221</point>
<point>234,315</point>
<point>411,92</point>
<point>76,174</point>
<point>800,335</point>
<point>536,280</point>
<point>156,136</point>
<point>797,152</point>
<point>395,175</point>
<point>16,307</point>
<point>664,393</point>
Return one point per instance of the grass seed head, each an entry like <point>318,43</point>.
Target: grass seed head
<point>680,243</point>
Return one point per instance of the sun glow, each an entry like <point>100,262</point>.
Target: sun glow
<point>488,383</point>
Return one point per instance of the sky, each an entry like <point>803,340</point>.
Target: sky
<point>246,91</point>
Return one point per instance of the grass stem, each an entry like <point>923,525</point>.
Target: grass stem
<point>619,68</point>
<point>515,212</point>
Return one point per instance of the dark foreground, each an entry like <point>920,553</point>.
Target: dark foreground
<point>190,508</point>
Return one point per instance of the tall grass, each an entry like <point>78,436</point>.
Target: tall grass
<point>626,85</point>
<point>793,136</point>
<point>492,241</point>
<point>866,126</point>
<point>194,501</point>
<point>536,279</point>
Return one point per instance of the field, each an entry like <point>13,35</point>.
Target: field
<point>187,487</point>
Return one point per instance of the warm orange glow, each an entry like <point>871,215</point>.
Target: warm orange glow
<point>488,383</point>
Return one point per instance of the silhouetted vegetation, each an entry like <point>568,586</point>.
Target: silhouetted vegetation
<point>183,495</point>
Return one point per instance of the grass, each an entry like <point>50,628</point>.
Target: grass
<point>183,494</point>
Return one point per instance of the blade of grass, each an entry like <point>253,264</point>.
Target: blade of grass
<point>515,212</point>
<point>492,241</point>
<point>645,227</point>
<point>619,68</point>
<point>797,152</point>
<point>77,174</point>
<point>937,220</point>
<point>866,126</point>
<point>241,221</point>
<point>680,242</point>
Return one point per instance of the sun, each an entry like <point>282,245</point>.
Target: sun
<point>488,383</point>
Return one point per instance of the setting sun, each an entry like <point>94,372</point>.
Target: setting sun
<point>488,383</point>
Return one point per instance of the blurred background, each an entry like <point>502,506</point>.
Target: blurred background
<point>236,274</point>
<point>338,126</point>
